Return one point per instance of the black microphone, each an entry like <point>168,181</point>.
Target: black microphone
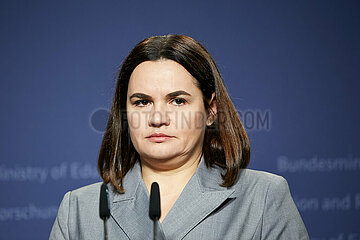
<point>104,210</point>
<point>154,207</point>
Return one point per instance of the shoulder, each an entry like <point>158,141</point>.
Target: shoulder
<point>91,190</point>
<point>78,214</point>
<point>82,202</point>
<point>258,175</point>
<point>255,178</point>
<point>270,196</point>
<point>280,216</point>
<point>81,198</point>
<point>259,184</point>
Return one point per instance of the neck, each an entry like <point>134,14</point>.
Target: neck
<point>171,177</point>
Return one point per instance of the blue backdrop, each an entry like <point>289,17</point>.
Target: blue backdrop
<point>291,68</point>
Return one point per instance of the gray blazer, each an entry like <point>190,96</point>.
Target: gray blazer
<point>257,206</point>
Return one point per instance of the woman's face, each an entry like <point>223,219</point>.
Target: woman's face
<point>165,111</point>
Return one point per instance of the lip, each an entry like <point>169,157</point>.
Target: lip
<point>158,137</point>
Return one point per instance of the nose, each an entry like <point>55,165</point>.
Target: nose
<point>159,116</point>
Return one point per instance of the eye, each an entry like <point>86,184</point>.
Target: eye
<point>178,101</point>
<point>141,103</point>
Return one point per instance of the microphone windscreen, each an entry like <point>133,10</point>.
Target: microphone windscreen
<point>104,209</point>
<point>154,208</point>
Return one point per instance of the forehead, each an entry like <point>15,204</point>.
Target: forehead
<point>161,76</point>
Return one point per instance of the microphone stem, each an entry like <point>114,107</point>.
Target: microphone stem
<point>155,230</point>
<point>105,230</point>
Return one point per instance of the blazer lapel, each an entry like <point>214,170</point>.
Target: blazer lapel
<point>200,197</point>
<point>131,209</point>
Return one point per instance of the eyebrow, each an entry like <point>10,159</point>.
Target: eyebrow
<point>169,95</point>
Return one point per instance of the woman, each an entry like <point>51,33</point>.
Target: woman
<point>172,122</point>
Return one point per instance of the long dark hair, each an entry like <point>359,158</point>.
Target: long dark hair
<point>226,143</point>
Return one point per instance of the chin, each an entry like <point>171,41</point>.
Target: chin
<point>159,153</point>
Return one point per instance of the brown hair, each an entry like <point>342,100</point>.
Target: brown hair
<point>225,143</point>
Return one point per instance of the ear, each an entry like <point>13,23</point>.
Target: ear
<point>213,110</point>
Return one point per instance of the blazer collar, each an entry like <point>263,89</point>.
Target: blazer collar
<point>130,210</point>
<point>200,197</point>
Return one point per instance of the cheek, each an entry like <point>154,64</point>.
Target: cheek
<point>192,122</point>
<point>137,120</point>
<point>137,126</point>
<point>200,120</point>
